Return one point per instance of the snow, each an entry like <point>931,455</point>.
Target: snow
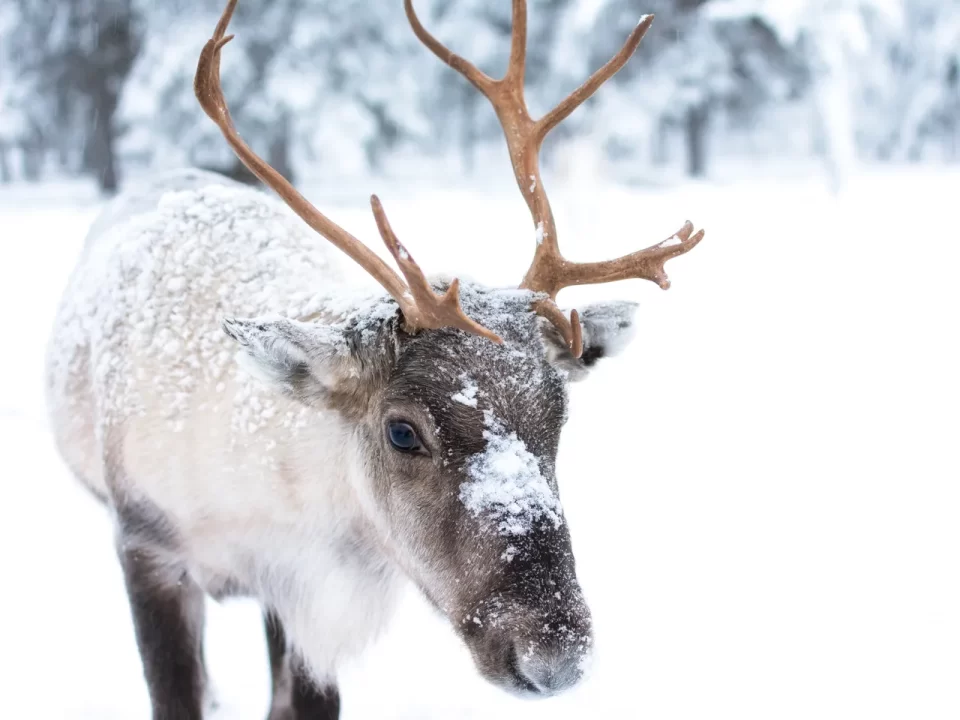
<point>467,395</point>
<point>541,233</point>
<point>128,297</point>
<point>762,490</point>
<point>506,484</point>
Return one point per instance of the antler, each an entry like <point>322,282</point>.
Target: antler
<point>550,272</point>
<point>421,307</point>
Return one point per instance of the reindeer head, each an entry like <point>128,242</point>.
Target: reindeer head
<point>456,396</point>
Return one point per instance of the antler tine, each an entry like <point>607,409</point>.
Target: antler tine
<point>435,311</point>
<point>524,136</point>
<point>471,72</point>
<point>209,92</point>
<point>549,272</point>
<point>507,98</point>
<point>647,264</point>
<point>517,65</point>
<point>547,255</point>
<point>421,307</point>
<point>583,93</point>
<point>570,329</point>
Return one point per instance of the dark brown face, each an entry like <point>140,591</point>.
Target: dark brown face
<point>459,441</point>
<point>465,439</point>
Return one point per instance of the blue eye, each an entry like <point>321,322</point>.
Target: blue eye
<point>403,437</point>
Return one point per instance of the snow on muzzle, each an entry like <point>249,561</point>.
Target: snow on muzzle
<point>530,630</point>
<point>535,638</point>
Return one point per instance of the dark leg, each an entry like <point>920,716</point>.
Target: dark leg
<point>295,695</point>
<point>167,609</point>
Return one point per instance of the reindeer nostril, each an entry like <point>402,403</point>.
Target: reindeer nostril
<point>515,666</point>
<point>545,671</point>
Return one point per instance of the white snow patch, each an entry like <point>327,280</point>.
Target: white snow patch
<point>541,233</point>
<point>418,660</point>
<point>467,395</point>
<point>507,485</point>
<point>533,183</point>
<point>671,241</point>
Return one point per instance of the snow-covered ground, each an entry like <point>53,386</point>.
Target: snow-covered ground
<point>764,492</point>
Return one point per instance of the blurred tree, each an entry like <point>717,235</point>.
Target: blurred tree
<point>340,87</point>
<point>74,56</point>
<point>165,124</point>
<point>838,43</point>
<point>308,83</point>
<point>693,65</point>
<point>923,98</point>
<point>12,93</point>
<point>479,30</point>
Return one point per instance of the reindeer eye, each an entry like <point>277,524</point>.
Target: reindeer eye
<point>403,437</point>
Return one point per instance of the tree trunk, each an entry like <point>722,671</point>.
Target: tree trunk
<point>659,141</point>
<point>117,46</point>
<point>31,157</point>
<point>32,162</point>
<point>953,83</point>
<point>6,176</point>
<point>278,154</point>
<point>470,132</point>
<point>101,154</point>
<point>695,127</point>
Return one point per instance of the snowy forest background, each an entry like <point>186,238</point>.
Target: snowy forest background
<point>762,491</point>
<point>336,88</point>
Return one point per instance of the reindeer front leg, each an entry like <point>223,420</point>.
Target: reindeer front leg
<point>168,615</point>
<point>295,694</point>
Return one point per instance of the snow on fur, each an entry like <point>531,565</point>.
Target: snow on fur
<point>145,310</point>
<point>506,483</point>
<point>238,251</point>
<point>467,395</point>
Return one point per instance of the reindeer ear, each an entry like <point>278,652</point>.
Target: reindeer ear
<point>305,361</point>
<point>607,330</point>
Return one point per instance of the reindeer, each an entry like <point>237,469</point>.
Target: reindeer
<point>320,447</point>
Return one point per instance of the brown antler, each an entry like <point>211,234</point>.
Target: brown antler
<point>550,272</point>
<point>421,307</point>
